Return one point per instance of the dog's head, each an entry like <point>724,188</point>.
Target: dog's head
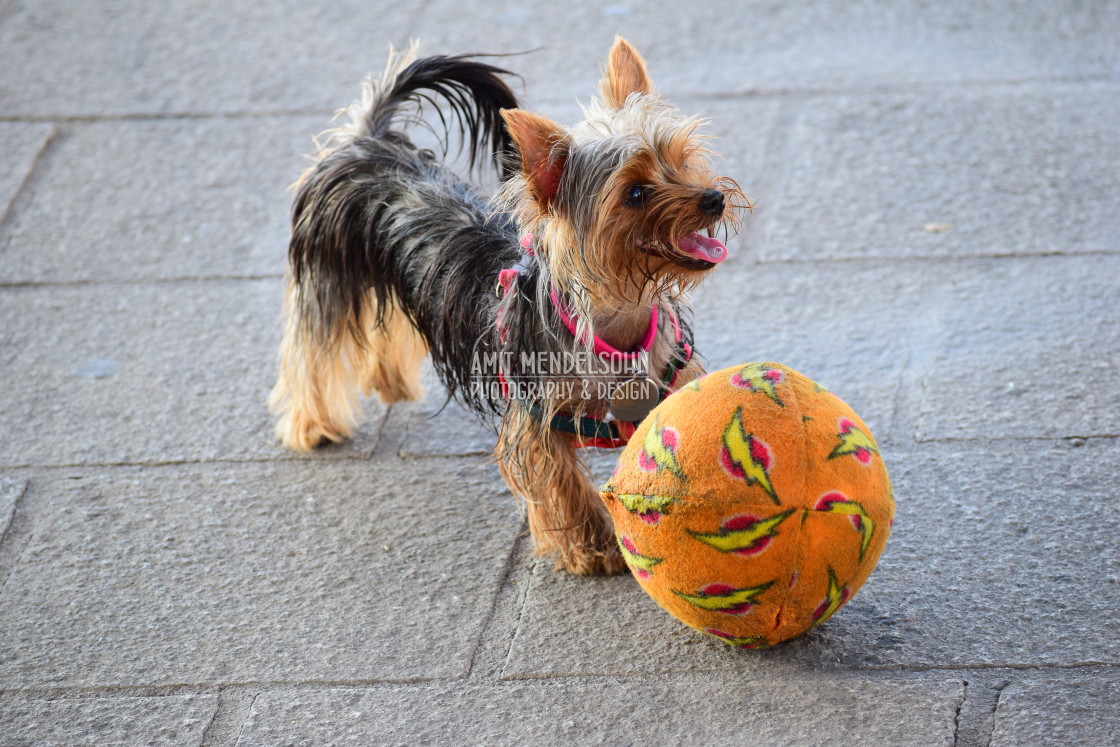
<point>627,198</point>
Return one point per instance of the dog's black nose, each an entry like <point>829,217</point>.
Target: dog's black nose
<point>711,202</point>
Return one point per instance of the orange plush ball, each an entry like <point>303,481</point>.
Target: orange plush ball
<point>751,504</point>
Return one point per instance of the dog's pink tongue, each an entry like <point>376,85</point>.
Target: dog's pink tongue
<point>702,247</point>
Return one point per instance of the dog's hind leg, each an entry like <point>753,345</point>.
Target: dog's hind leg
<point>316,391</point>
<point>395,350</point>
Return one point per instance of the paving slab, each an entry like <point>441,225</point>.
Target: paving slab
<point>331,572</point>
<point>159,199</point>
<point>847,326</point>
<point>1062,708</point>
<point>1028,348</point>
<point>1001,555</point>
<point>731,46</point>
<point>21,144</point>
<point>213,56</point>
<point>708,710</point>
<point>948,172</point>
<point>171,720</point>
<point>164,372</point>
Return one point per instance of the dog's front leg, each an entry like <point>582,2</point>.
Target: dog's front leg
<point>567,519</point>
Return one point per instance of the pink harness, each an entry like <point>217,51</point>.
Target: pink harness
<point>594,431</point>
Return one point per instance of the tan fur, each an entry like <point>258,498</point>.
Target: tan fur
<point>393,358</point>
<point>566,518</point>
<point>544,470</point>
<point>316,392</point>
<point>543,146</point>
<point>625,74</point>
<point>610,284</point>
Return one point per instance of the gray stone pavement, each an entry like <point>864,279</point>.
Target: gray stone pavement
<point>935,239</point>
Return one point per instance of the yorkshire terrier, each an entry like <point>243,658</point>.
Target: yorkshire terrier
<point>557,305</point>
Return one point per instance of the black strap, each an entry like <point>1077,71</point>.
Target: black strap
<point>589,427</point>
<point>583,426</point>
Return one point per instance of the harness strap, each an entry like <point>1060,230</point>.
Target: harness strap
<point>591,431</point>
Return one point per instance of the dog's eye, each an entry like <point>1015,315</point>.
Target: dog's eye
<point>637,195</point>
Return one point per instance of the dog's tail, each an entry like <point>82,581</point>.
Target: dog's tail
<point>349,203</point>
<point>370,220</point>
<point>474,91</point>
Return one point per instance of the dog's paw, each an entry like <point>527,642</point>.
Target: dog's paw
<point>593,561</point>
<point>304,434</point>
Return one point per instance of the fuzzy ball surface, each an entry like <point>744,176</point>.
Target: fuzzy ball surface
<point>752,504</point>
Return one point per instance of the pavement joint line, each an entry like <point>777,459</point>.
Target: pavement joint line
<point>823,261</point>
<point>523,598</point>
<point>210,688</point>
<point>244,721</point>
<point>256,687</point>
<point>771,176</point>
<point>409,456</point>
<point>811,92</point>
<point>957,715</point>
<point>379,430</point>
<point>1017,667</point>
<point>792,92</point>
<point>1073,439</point>
<point>416,456</point>
<point>26,189</point>
<point>525,568</point>
<point>6,208</point>
<point>292,459</point>
<point>956,258</point>
<point>775,173</point>
<point>900,392</point>
<point>995,706</point>
<point>17,284</point>
<point>213,716</point>
<point>975,718</point>
<point>165,116</point>
<point>509,568</point>
<point>870,670</point>
<point>233,688</point>
<point>13,569</point>
<point>9,531</point>
<point>990,715</point>
<point>9,520</point>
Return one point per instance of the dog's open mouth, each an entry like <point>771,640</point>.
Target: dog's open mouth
<point>694,251</point>
<point>703,248</point>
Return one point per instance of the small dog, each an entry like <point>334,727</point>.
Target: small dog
<point>557,305</point>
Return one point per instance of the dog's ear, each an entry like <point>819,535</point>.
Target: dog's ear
<point>626,74</point>
<point>544,147</point>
